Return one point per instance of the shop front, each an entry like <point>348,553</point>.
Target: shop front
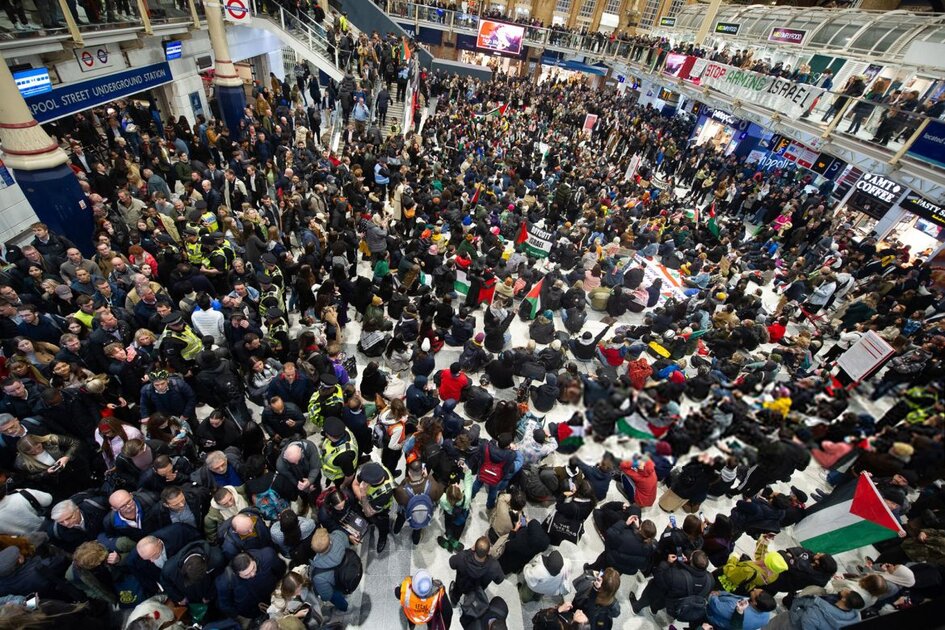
<point>554,67</point>
<point>869,200</point>
<point>718,129</point>
<point>921,225</point>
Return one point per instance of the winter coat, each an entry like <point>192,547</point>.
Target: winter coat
<point>522,546</point>
<point>816,613</point>
<point>625,549</point>
<point>693,481</point>
<point>172,576</point>
<point>237,596</point>
<point>644,481</point>
<point>473,357</point>
<point>542,330</point>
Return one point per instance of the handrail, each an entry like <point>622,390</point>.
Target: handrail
<point>311,32</point>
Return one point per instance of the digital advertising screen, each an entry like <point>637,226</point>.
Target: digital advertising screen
<point>500,37</point>
<point>33,81</point>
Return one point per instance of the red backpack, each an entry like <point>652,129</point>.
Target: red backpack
<point>490,472</point>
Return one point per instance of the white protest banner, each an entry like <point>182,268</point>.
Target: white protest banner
<point>538,243</point>
<point>786,97</point>
<point>672,285</point>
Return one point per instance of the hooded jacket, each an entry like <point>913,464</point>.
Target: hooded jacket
<point>172,575</point>
<point>419,402</point>
<point>542,582</point>
<point>471,571</point>
<point>816,613</point>
<point>545,396</point>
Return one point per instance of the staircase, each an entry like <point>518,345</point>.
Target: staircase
<point>303,36</point>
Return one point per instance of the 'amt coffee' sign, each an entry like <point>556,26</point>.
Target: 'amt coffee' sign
<point>879,188</point>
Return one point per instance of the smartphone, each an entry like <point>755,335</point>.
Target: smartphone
<point>672,521</point>
<point>55,467</point>
<point>32,602</point>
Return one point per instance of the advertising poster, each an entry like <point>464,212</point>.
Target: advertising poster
<point>501,37</point>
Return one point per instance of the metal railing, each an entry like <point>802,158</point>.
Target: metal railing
<point>71,19</point>
<point>886,126</point>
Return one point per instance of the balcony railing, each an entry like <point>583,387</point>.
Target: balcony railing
<point>889,125</point>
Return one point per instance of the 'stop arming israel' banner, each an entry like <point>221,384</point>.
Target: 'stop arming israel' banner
<point>786,97</point>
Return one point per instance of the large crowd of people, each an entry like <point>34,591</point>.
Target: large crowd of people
<point>274,358</point>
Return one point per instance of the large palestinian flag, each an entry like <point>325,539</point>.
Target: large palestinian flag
<point>853,515</point>
<point>532,298</point>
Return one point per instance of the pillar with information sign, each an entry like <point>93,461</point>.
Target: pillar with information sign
<point>227,83</point>
<point>41,168</point>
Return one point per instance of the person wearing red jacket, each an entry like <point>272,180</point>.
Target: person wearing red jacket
<point>452,382</point>
<point>640,476</point>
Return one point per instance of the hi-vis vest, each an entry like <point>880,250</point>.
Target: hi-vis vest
<point>193,345</point>
<point>418,609</point>
<point>209,221</point>
<point>383,488</point>
<point>194,253</point>
<point>315,415</point>
<point>330,452</point>
<point>226,251</point>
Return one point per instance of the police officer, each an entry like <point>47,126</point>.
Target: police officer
<point>179,345</point>
<point>193,249</point>
<point>207,219</point>
<point>339,453</point>
<point>270,294</point>
<point>219,260</point>
<point>271,267</point>
<point>327,401</point>
<point>168,256</point>
<point>277,327</point>
<point>373,487</point>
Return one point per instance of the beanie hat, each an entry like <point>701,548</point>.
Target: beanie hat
<point>425,344</point>
<point>479,338</point>
<point>553,562</point>
<point>775,562</point>
<point>901,450</point>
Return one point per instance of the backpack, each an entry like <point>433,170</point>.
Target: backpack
<point>491,472</point>
<point>348,573</point>
<point>419,507</point>
<point>269,503</point>
<point>691,608</point>
<point>380,434</point>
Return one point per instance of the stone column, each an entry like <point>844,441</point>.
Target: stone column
<point>42,169</point>
<point>227,83</point>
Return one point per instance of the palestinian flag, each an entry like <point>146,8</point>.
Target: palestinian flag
<point>475,198</point>
<point>522,234</point>
<point>853,515</point>
<point>532,298</point>
<point>495,112</point>
<point>405,49</point>
<point>636,426</point>
<point>712,224</point>
<point>461,284</point>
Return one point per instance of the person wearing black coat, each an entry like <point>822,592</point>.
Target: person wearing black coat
<point>805,568</point>
<point>501,371</point>
<point>755,516</point>
<point>495,330</point>
<point>419,400</point>
<point>239,595</point>
<point>190,573</point>
<point>373,382</point>
<point>542,330</point>
<point>691,485</point>
<point>524,543</point>
<point>573,511</point>
<point>628,547</point>
<point>673,580</point>
<point>618,303</point>
<point>479,400</point>
<point>162,543</point>
<point>67,530</point>
<point>176,501</point>
<point>545,396</point>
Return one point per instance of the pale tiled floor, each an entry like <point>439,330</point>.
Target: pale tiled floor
<point>374,606</point>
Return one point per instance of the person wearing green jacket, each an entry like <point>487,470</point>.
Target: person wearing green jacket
<point>455,505</point>
<point>741,576</point>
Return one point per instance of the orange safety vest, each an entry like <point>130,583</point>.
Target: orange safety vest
<point>418,609</point>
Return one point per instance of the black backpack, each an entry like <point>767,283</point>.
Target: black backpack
<point>348,573</point>
<point>691,608</point>
<point>550,619</point>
